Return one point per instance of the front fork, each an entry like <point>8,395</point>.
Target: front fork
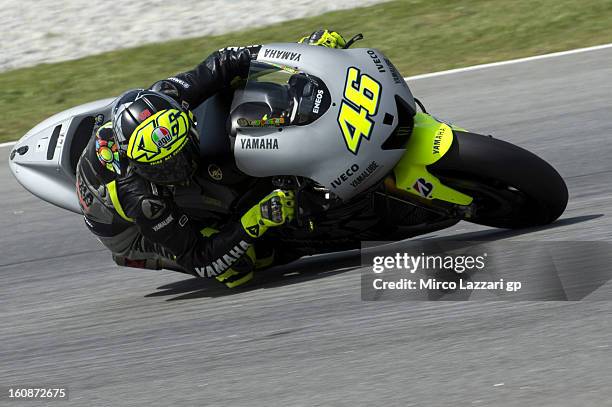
<point>430,140</point>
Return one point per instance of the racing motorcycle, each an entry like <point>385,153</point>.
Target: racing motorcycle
<point>342,129</point>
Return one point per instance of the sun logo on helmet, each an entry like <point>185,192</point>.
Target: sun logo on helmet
<point>158,137</point>
<point>107,150</point>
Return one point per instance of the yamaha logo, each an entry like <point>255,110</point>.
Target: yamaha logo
<point>215,172</point>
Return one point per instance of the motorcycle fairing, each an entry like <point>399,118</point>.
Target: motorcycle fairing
<point>319,150</point>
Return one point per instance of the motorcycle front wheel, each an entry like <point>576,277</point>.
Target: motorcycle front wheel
<point>512,187</point>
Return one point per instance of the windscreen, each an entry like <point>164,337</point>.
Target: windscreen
<point>275,96</point>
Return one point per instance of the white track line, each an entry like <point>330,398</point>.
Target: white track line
<point>508,62</point>
<point>476,67</point>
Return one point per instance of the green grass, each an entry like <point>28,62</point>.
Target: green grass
<point>417,35</point>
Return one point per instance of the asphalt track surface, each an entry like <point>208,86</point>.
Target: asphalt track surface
<point>113,336</point>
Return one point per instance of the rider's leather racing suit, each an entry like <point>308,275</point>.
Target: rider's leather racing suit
<point>139,221</point>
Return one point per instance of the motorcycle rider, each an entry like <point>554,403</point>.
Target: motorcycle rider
<point>126,175</point>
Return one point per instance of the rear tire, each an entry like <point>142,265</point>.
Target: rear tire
<point>512,188</point>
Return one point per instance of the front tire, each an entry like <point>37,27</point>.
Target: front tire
<point>512,188</point>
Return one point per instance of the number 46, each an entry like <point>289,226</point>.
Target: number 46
<point>360,103</point>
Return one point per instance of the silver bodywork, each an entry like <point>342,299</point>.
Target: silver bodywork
<point>316,151</point>
<point>46,170</point>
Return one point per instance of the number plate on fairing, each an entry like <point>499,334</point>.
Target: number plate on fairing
<point>338,146</point>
